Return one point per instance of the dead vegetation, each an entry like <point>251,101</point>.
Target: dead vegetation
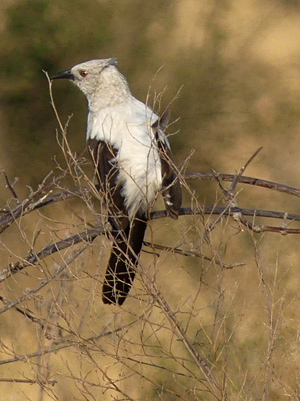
<point>211,316</point>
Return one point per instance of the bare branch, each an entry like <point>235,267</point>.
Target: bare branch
<point>27,381</point>
<point>90,234</point>
<point>29,292</point>
<point>185,252</point>
<point>244,180</point>
<point>68,342</point>
<point>9,218</point>
<point>85,236</point>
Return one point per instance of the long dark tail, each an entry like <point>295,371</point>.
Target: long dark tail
<point>120,271</point>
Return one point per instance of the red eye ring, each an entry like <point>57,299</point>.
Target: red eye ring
<point>83,73</point>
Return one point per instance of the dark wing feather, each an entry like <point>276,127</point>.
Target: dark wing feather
<point>103,156</point>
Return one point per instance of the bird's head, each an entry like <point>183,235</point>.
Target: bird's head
<point>96,77</point>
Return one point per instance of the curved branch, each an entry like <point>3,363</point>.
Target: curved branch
<point>217,210</point>
<point>244,180</point>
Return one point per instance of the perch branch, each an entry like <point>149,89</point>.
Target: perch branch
<point>244,180</point>
<point>90,234</point>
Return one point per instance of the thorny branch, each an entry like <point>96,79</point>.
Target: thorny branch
<point>30,204</point>
<point>90,234</point>
<point>42,197</point>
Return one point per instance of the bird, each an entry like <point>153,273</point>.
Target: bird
<point>133,164</point>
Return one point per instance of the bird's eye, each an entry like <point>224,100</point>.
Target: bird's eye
<point>83,73</point>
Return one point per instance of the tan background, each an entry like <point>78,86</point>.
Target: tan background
<point>237,66</point>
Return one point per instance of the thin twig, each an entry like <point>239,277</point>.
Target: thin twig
<point>25,313</point>
<point>85,236</point>
<point>196,254</point>
<point>27,381</point>
<point>10,187</point>
<point>52,101</point>
<point>242,170</point>
<point>204,366</point>
<point>29,292</point>
<point>67,343</point>
<point>10,217</point>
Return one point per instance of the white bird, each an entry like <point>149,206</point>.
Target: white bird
<point>133,162</point>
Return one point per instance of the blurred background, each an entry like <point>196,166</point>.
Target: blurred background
<point>231,70</point>
<point>236,63</point>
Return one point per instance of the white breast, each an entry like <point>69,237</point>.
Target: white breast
<point>128,128</point>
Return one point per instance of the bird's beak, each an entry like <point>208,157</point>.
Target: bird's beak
<point>67,74</point>
<point>113,61</point>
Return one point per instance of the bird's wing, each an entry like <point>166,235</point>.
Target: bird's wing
<point>171,189</point>
<point>104,158</point>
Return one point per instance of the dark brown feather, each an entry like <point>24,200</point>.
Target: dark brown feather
<point>103,156</point>
<point>123,261</point>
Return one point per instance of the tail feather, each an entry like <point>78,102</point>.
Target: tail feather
<point>120,271</point>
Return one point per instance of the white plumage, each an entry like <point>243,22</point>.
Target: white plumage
<point>127,127</point>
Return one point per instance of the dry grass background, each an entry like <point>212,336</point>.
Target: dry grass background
<point>191,329</point>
